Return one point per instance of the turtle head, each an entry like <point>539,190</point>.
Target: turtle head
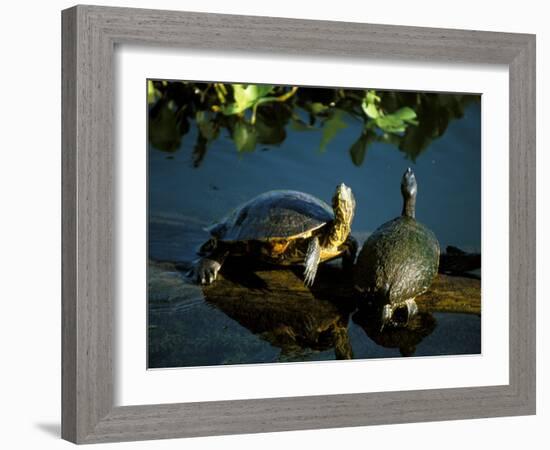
<point>408,184</point>
<point>408,190</point>
<point>343,204</point>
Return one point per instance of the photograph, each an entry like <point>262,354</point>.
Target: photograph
<point>296,223</point>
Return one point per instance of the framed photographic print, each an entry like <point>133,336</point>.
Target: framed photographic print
<point>266,230</point>
<point>236,176</point>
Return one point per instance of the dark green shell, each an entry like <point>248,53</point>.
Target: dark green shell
<point>272,215</point>
<point>398,261</point>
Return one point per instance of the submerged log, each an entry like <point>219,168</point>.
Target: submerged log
<point>456,261</point>
<point>457,294</point>
<point>448,293</point>
<point>453,294</point>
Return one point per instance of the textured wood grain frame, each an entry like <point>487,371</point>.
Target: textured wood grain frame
<point>89,37</point>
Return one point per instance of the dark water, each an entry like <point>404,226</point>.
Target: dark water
<point>186,330</point>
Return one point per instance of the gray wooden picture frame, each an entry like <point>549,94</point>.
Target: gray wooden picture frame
<point>90,34</point>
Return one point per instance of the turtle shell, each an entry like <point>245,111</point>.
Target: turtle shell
<point>398,261</point>
<point>278,214</point>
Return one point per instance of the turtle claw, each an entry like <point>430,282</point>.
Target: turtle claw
<point>309,276</point>
<point>206,271</point>
<point>386,319</point>
<point>412,309</point>
<point>313,256</point>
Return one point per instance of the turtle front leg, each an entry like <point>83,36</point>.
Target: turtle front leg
<point>313,256</point>
<point>349,247</point>
<point>207,268</point>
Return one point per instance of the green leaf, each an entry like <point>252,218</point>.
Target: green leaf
<point>391,124</point>
<point>397,121</point>
<point>371,111</point>
<point>371,97</point>
<point>359,149</point>
<point>241,98</point>
<point>152,93</point>
<point>245,97</point>
<point>331,127</point>
<point>259,90</point>
<point>164,131</point>
<point>369,105</point>
<point>207,125</point>
<point>317,107</point>
<point>230,109</point>
<point>269,134</point>
<point>406,114</point>
<point>244,136</point>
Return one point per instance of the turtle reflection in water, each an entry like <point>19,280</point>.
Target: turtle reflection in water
<point>284,228</point>
<point>275,305</point>
<point>399,261</point>
<point>406,339</point>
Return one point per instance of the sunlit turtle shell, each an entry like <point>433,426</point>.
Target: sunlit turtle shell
<point>274,215</point>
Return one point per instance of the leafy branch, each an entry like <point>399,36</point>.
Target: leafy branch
<point>260,114</point>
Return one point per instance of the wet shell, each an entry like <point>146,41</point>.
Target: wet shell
<point>279,214</point>
<point>398,261</point>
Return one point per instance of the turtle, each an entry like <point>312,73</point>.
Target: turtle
<point>399,261</point>
<point>283,227</point>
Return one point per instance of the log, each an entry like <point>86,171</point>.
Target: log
<point>282,286</point>
<point>452,294</point>
<point>274,304</point>
<point>456,261</point>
